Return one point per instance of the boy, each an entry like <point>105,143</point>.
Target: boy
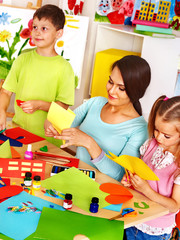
<point>39,76</point>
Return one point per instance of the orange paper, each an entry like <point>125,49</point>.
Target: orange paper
<point>117,199</point>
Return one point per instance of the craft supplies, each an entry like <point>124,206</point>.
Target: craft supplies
<point>3,130</point>
<point>28,179</point>
<point>94,205</point>
<point>126,212</point>
<point>67,204</point>
<point>2,184</point>
<point>28,154</point>
<point>57,169</point>
<point>36,183</point>
<point>56,159</point>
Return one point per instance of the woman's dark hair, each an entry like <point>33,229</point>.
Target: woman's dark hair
<point>136,74</point>
<point>53,14</point>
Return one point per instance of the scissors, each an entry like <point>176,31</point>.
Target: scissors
<point>126,212</point>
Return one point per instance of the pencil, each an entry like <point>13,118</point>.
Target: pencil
<point>49,156</point>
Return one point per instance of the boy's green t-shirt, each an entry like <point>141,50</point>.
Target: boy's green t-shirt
<point>35,77</point>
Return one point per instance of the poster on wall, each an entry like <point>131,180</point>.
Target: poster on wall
<point>114,11</point>
<point>72,7</point>
<point>15,36</point>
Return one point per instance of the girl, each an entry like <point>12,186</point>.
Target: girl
<point>162,154</point>
<point>112,124</point>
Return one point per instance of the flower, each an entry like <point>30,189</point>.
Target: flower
<point>26,32</point>
<point>60,43</point>
<point>4,35</point>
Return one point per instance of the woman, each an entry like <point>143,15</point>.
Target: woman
<point>114,124</point>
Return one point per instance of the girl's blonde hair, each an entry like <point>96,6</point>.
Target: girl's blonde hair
<point>169,110</point>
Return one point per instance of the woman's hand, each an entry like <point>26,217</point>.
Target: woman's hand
<point>74,136</point>
<point>30,106</point>
<point>49,130</point>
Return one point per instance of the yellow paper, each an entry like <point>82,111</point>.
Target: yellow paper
<point>135,165</point>
<point>5,150</point>
<point>60,117</point>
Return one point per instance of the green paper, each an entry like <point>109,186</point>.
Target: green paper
<point>44,149</point>
<point>55,224</point>
<point>82,187</point>
<point>4,237</point>
<point>5,150</point>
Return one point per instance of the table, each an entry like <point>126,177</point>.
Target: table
<point>155,210</point>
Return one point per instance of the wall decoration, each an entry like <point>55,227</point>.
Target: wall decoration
<point>72,7</point>
<point>15,36</point>
<point>114,11</point>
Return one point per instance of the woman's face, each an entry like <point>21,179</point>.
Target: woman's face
<point>116,89</point>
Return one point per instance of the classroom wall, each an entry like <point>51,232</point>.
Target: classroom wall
<point>88,10</point>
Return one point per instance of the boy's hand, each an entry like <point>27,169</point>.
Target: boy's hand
<point>30,106</point>
<point>49,130</point>
<point>125,182</point>
<point>2,120</point>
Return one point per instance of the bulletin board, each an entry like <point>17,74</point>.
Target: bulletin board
<point>71,46</point>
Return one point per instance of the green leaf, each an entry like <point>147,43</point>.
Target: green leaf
<point>3,53</point>
<point>24,44</point>
<point>16,39</point>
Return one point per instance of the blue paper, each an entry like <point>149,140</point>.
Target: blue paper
<point>114,207</point>
<point>21,224</point>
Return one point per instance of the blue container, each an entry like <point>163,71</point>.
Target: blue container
<point>94,205</point>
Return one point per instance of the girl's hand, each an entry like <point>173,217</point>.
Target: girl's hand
<point>139,184</point>
<point>125,182</point>
<point>49,130</point>
<point>30,106</point>
<point>74,136</point>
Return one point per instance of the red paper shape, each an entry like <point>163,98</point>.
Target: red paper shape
<point>19,102</point>
<point>9,191</point>
<point>118,193</point>
<point>17,132</point>
<point>116,18</point>
<point>117,199</point>
<point>17,168</point>
<point>14,153</point>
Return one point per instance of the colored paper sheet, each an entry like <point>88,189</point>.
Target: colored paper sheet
<point>20,225</point>
<point>82,187</point>
<point>22,135</point>
<point>59,117</point>
<point>114,207</point>
<point>18,167</point>
<point>69,224</point>
<point>13,142</point>
<point>118,193</point>
<point>5,151</point>
<point>3,237</point>
<point>9,191</point>
<point>15,153</point>
<point>135,165</point>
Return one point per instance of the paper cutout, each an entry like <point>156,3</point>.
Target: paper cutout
<point>117,199</point>
<point>118,193</point>
<point>19,102</point>
<point>134,165</point>
<point>44,149</point>
<point>17,167</point>
<point>114,207</point>
<point>15,153</point>
<point>19,226</point>
<point>145,205</point>
<point>13,142</point>
<point>9,191</point>
<point>73,224</point>
<point>5,151</point>
<point>28,137</point>
<point>82,187</point>
<point>59,117</point>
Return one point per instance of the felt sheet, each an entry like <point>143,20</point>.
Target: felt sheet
<point>20,225</point>
<point>135,165</point>
<point>18,132</point>
<point>5,150</point>
<point>59,117</point>
<point>68,224</point>
<point>82,187</point>
<point>13,142</point>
